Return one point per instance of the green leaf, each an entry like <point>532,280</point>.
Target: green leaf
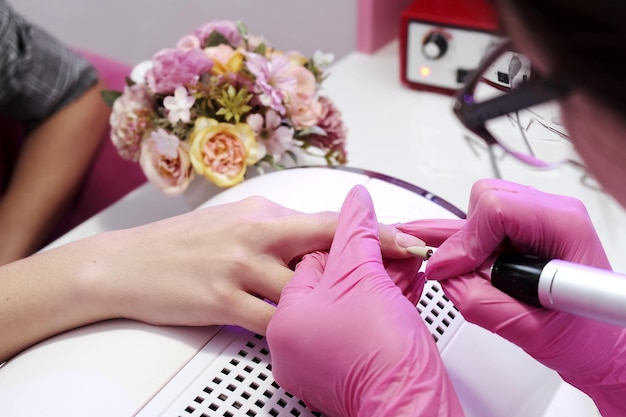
<point>242,28</point>
<point>261,49</point>
<point>109,96</point>
<point>215,39</point>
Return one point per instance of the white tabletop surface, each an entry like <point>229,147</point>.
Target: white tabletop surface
<point>393,130</point>
<point>414,136</point>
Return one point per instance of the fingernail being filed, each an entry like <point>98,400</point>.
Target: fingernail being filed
<point>405,240</point>
<point>425,253</point>
<point>422,252</point>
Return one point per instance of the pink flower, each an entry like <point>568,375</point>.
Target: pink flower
<point>303,107</point>
<point>213,109</point>
<point>165,161</point>
<point>176,67</point>
<point>306,84</point>
<point>131,117</point>
<point>273,81</point>
<point>221,53</point>
<point>188,42</point>
<point>271,136</point>
<point>226,28</point>
<point>304,112</point>
<point>334,141</point>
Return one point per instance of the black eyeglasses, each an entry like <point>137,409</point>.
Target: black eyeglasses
<point>505,103</point>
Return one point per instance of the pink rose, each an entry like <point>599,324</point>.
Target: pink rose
<point>225,28</point>
<point>176,67</point>
<point>306,84</point>
<point>131,117</point>
<point>331,122</point>
<point>304,112</point>
<point>165,161</point>
<point>188,42</point>
<point>221,53</point>
<point>303,107</point>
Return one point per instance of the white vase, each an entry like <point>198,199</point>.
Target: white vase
<point>201,189</point>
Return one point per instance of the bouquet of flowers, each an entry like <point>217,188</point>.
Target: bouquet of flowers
<point>219,102</point>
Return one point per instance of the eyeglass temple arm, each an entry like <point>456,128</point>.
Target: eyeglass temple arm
<point>531,94</point>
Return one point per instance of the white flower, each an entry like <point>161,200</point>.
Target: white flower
<point>322,60</point>
<point>165,144</point>
<point>178,105</point>
<point>138,73</point>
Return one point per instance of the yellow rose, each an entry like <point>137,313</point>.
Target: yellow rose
<point>296,59</point>
<point>222,151</point>
<point>225,59</point>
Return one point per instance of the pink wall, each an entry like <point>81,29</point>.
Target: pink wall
<point>378,23</point>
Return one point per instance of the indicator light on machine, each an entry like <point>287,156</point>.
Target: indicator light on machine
<point>442,41</point>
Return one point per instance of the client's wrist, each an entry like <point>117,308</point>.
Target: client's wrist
<point>94,270</point>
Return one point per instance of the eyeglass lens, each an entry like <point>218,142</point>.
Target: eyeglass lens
<point>533,134</point>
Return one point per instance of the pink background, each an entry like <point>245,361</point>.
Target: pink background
<point>378,22</point>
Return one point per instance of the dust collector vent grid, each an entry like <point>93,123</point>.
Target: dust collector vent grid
<point>232,375</point>
<point>440,315</point>
<point>240,383</point>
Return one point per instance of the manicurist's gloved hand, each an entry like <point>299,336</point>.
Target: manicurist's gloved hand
<point>506,216</point>
<point>347,341</point>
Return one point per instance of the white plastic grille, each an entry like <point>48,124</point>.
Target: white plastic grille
<point>441,316</point>
<point>244,385</point>
<point>232,375</point>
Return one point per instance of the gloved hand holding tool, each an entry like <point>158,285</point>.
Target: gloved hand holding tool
<point>505,216</point>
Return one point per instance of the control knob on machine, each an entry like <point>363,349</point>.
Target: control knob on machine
<point>434,45</point>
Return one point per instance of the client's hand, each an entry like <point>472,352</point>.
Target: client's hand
<point>506,216</point>
<point>211,266</point>
<point>216,265</point>
<point>347,341</point>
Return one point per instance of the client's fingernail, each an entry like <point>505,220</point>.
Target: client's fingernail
<point>420,252</point>
<point>405,240</point>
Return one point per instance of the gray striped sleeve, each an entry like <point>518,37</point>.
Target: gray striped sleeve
<point>38,74</point>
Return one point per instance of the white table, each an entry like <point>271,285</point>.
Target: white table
<point>402,133</point>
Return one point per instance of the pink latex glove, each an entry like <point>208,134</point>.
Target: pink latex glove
<point>502,215</point>
<point>344,338</point>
